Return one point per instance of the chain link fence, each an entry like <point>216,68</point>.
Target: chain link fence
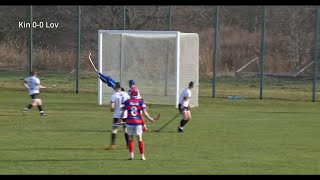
<point>289,43</point>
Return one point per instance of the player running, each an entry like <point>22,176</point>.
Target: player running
<point>32,83</point>
<point>184,106</point>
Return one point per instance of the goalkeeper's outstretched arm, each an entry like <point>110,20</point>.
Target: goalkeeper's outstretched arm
<point>108,80</point>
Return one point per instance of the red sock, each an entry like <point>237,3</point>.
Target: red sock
<point>131,146</point>
<point>141,147</point>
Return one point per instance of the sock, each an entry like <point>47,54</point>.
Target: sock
<point>29,106</point>
<point>113,138</point>
<point>40,108</point>
<point>126,136</point>
<point>131,146</point>
<point>141,147</point>
<point>183,122</point>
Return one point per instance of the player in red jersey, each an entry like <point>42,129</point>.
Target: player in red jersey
<point>132,85</point>
<point>135,108</point>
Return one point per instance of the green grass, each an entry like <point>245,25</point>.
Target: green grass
<point>249,136</point>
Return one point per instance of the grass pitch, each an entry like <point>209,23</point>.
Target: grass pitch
<point>243,136</point>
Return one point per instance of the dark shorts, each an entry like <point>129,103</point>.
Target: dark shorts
<point>35,96</point>
<point>182,108</point>
<point>115,120</point>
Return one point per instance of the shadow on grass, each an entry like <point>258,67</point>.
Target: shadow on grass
<point>166,131</point>
<point>62,160</point>
<point>49,149</point>
<point>18,114</point>
<point>287,112</point>
<point>56,130</point>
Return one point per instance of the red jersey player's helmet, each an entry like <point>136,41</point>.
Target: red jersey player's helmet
<point>134,92</point>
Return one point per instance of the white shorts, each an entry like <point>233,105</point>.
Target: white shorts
<point>134,130</point>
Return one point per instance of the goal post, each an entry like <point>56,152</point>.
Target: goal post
<point>162,63</point>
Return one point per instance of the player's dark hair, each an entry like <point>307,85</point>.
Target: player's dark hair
<point>118,85</point>
<point>191,84</point>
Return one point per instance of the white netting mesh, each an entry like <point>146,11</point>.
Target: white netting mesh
<point>189,66</point>
<point>150,59</point>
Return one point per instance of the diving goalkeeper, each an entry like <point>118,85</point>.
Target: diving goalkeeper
<point>106,79</point>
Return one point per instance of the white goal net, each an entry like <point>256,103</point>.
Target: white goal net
<point>162,63</point>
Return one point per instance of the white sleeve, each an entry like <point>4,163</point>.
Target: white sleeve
<point>112,98</point>
<point>189,93</point>
<point>127,97</point>
<point>37,81</point>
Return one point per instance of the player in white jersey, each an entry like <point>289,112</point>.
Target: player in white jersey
<point>32,83</point>
<point>184,106</point>
<point>116,103</point>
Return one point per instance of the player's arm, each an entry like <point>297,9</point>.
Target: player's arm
<point>185,99</point>
<point>39,84</point>
<point>112,102</point>
<point>108,80</point>
<point>25,83</point>
<point>148,116</point>
<point>112,106</point>
<point>123,110</point>
<point>42,86</point>
<point>121,115</point>
<point>187,96</point>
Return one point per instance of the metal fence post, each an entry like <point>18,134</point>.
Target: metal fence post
<point>124,17</point>
<point>30,41</point>
<point>315,57</point>
<point>168,48</point>
<point>79,48</point>
<point>263,47</point>
<point>216,51</point>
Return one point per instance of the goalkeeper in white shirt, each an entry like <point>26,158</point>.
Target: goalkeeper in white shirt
<point>184,106</point>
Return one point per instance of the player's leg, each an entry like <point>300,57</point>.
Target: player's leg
<point>33,103</point>
<point>114,132</point>
<point>130,131</point>
<point>138,133</point>
<point>39,103</point>
<point>126,134</point>
<point>185,118</point>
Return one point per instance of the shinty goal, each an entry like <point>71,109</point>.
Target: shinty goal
<point>161,63</point>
